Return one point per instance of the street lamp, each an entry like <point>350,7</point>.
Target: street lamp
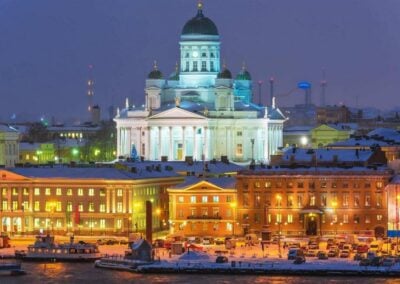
<point>252,150</point>
<point>233,206</point>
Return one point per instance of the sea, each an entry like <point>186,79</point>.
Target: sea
<point>86,273</point>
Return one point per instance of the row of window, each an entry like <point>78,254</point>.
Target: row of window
<point>312,200</point>
<point>269,184</point>
<point>204,199</point>
<point>215,211</point>
<point>195,66</point>
<point>193,226</point>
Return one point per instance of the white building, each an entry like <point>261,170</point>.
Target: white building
<point>9,146</point>
<point>199,111</point>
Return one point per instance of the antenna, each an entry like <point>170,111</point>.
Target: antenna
<point>90,89</point>
<point>260,82</point>
<point>271,89</point>
<point>324,84</point>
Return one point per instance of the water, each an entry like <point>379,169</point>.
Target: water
<point>86,273</point>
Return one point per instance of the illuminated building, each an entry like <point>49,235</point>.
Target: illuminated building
<point>82,200</point>
<point>203,207</point>
<point>9,148</point>
<point>200,111</point>
<point>314,200</point>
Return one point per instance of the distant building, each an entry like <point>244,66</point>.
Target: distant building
<point>330,133</point>
<point>9,147</point>
<point>313,201</point>
<point>298,136</point>
<point>203,207</point>
<point>333,114</point>
<point>300,115</point>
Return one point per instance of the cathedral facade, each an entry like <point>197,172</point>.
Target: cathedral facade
<point>200,111</point>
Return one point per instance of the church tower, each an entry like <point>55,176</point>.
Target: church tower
<point>200,51</point>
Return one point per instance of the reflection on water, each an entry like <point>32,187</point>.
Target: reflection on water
<point>86,273</point>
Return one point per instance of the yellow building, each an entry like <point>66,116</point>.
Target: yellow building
<point>203,207</point>
<point>82,200</point>
<point>326,134</point>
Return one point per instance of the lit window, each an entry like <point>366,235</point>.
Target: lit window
<point>379,185</point>
<point>69,206</point>
<point>239,149</point>
<point>14,191</point>
<point>102,223</point>
<point>102,208</point>
<point>47,191</point>
<point>229,227</point>
<point>102,192</point>
<point>216,212</point>
<point>290,218</point>
<point>257,184</point>
<point>119,223</point>
<point>367,200</point>
<point>5,205</point>
<point>36,206</point>
<point>345,199</point>
<point>37,191</point>
<point>15,205</point>
<point>367,219</point>
<point>58,191</point>
<point>58,206</point>
<point>91,192</point>
<point>215,198</point>
<point>193,199</point>
<point>25,205</point>
<point>267,184</point>
<point>80,207</point>
<point>204,199</point>
<point>345,218</point>
<point>279,218</point>
<point>69,191</point>
<point>80,192</point>
<point>181,199</point>
<point>379,217</point>
<point>229,199</point>
<point>4,191</point>
<point>91,207</point>
<point>119,207</point>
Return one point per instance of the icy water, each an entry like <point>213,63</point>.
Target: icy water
<point>86,273</point>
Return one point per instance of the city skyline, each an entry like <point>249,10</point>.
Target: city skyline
<point>47,47</point>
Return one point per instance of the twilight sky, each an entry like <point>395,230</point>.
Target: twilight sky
<point>46,46</point>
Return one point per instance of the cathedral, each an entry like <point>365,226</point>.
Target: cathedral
<point>199,112</point>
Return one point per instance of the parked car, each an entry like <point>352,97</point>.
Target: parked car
<point>344,254</point>
<point>221,259</point>
<point>219,241</point>
<point>322,255</point>
<point>311,253</point>
<point>293,253</point>
<point>333,253</point>
<point>365,262</point>
<point>388,261</point>
<point>362,248</point>
<point>299,260</point>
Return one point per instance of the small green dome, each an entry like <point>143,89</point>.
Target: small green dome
<point>225,74</point>
<point>243,74</point>
<point>200,24</point>
<point>155,73</point>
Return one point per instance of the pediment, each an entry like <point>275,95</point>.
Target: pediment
<point>177,113</point>
<point>203,186</point>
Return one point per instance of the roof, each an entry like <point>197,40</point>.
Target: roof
<point>325,155</point>
<point>200,25</point>
<point>222,182</point>
<point>386,134</point>
<point>8,128</point>
<point>108,173</point>
<point>363,142</point>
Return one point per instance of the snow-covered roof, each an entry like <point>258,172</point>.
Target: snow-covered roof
<point>89,173</point>
<point>26,146</point>
<point>8,128</point>
<point>222,182</point>
<point>325,155</point>
<point>387,134</point>
<point>361,142</point>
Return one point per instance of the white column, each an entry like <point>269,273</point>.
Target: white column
<point>206,154</point>
<point>194,143</point>
<point>139,147</point>
<point>148,146</point>
<point>159,142</point>
<point>118,142</point>
<point>266,137</point>
<point>170,154</point>
<point>183,143</point>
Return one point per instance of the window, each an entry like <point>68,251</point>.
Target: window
<point>204,199</point>
<point>267,184</point>
<point>80,207</point>
<point>15,205</point>
<point>193,212</point>
<point>91,192</point>
<point>193,199</point>
<point>216,212</point>
<point>228,212</point>
<point>257,184</point>
<point>345,199</point>
<point>289,185</point>
<point>379,217</point>
<point>212,69</point>
<point>357,200</point>
<point>367,185</point>
<point>102,208</point>
<point>229,199</point>
<point>26,191</point>
<point>102,192</point>
<point>181,199</point>
<point>367,199</point>
<point>245,200</point>
<point>379,199</point>
<point>278,184</point>
<point>37,191</point>
<point>119,207</point>
<point>290,218</point>
<point>279,218</point>
<point>279,201</point>
<point>379,185</point>
<point>14,191</point>
<point>195,66</point>
<point>323,184</point>
<point>300,185</point>
<point>69,191</point>
<point>257,201</point>
<point>356,219</point>
<point>25,205</point>
<point>345,185</point>
<point>47,191</point>
<point>58,206</point>
<point>5,205</point>
<point>290,201</point>
<point>58,191</point>
<point>239,133</point>
<point>334,185</point>
<point>239,149</point>
<point>36,206</point>
<point>312,200</point>
<point>187,66</point>
<point>299,200</point>
<point>91,207</point>
<point>212,55</point>
<point>203,66</point>
<point>69,206</point>
<point>204,54</point>
<point>119,192</point>
<point>119,223</point>
<point>229,227</point>
<point>180,213</point>
<point>323,200</point>
<point>102,223</point>
<point>367,219</point>
<point>204,211</point>
<point>80,192</point>
<point>334,218</point>
<point>345,218</point>
<point>216,199</point>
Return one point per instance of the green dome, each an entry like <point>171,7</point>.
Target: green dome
<point>155,73</point>
<point>224,74</point>
<point>243,75</point>
<point>200,25</point>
